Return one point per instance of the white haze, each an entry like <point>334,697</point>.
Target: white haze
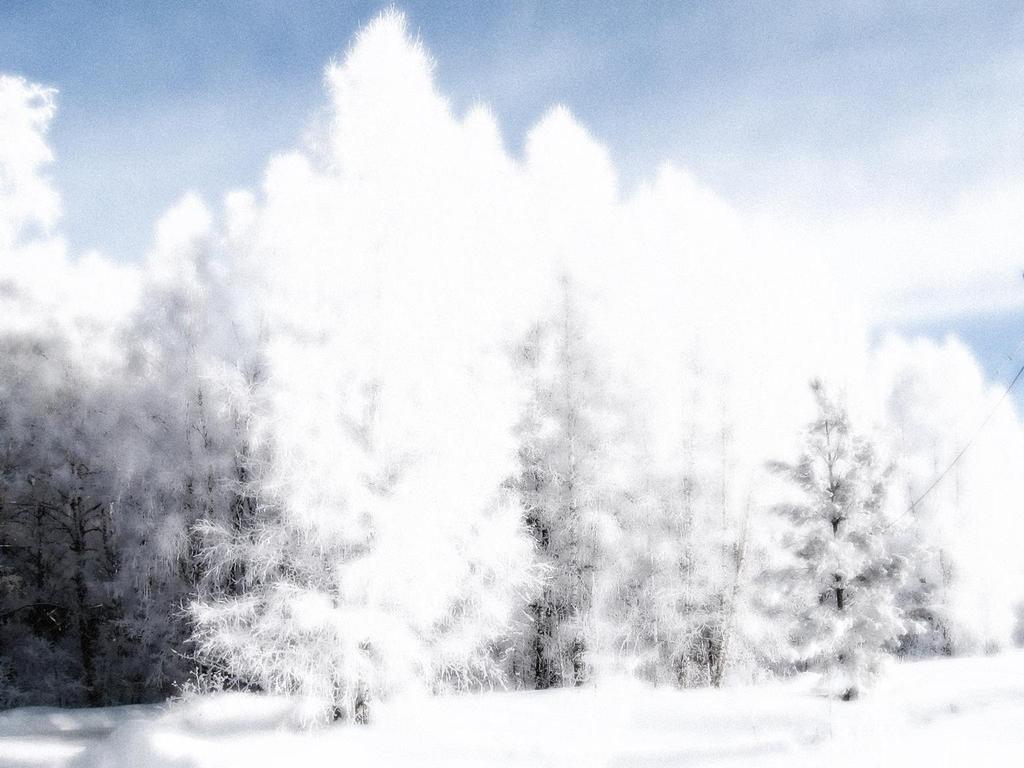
<point>420,234</point>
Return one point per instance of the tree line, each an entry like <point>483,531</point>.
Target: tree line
<point>188,519</point>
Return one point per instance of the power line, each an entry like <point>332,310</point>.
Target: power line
<point>953,463</point>
<point>968,444</point>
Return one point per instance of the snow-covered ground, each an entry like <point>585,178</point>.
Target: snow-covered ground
<point>962,712</point>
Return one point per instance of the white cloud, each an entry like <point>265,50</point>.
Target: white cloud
<point>27,198</point>
<point>916,263</point>
<point>41,289</point>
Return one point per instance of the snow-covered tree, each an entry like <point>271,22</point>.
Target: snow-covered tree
<point>699,619</point>
<point>383,551</point>
<point>177,453</point>
<point>676,573</point>
<point>935,402</point>
<point>61,518</point>
<point>574,466</point>
<point>836,583</point>
<point>311,593</point>
<point>60,551</point>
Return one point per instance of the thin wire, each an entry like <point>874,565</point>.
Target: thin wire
<point>968,444</point>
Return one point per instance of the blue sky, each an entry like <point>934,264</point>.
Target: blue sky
<point>810,107</point>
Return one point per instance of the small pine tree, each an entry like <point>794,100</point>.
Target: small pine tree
<point>838,579</point>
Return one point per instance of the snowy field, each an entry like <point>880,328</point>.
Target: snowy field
<point>963,712</point>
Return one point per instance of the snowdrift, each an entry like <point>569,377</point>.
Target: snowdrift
<point>936,713</point>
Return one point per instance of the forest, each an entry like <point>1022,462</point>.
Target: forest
<point>427,412</point>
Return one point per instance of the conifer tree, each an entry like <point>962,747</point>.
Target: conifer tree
<point>674,583</point>
<point>835,588</point>
<point>60,610</point>
<point>568,487</point>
